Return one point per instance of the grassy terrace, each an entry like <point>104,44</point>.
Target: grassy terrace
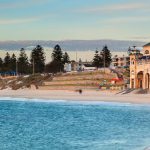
<point>67,80</point>
<point>71,85</point>
<point>85,80</point>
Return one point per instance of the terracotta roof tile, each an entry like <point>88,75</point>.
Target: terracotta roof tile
<point>148,44</point>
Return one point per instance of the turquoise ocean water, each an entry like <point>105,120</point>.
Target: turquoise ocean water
<point>36,125</point>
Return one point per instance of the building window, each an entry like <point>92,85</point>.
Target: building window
<point>132,83</point>
<point>147,52</point>
<point>132,61</point>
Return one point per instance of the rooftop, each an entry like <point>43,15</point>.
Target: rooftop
<point>89,65</point>
<point>148,44</point>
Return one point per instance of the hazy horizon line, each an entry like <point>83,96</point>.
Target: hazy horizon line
<point>74,40</point>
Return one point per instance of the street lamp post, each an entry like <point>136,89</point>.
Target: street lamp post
<point>104,65</point>
<point>16,68</point>
<point>104,81</point>
<point>33,69</point>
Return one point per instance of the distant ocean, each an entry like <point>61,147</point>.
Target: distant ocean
<point>62,125</point>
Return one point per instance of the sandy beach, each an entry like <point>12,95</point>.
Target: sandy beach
<point>107,96</point>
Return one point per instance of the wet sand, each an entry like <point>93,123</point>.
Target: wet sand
<point>90,95</point>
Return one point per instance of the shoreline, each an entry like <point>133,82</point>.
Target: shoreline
<point>66,95</point>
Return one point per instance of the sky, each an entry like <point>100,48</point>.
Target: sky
<point>74,20</point>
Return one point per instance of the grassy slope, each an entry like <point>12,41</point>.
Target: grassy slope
<point>84,80</point>
<point>67,81</point>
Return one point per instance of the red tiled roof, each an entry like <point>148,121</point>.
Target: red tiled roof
<point>148,44</point>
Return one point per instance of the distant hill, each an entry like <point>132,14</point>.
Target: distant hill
<point>72,45</point>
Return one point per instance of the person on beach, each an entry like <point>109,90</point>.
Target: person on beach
<point>80,91</point>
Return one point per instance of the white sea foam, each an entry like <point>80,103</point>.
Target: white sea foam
<point>30,100</point>
<point>113,141</point>
<point>119,104</point>
<point>100,102</point>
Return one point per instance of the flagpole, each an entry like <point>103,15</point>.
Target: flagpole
<point>33,67</point>
<point>16,68</point>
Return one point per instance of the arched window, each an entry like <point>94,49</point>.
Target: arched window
<point>147,52</point>
<point>132,61</point>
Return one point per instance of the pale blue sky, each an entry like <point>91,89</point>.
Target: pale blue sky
<point>74,19</point>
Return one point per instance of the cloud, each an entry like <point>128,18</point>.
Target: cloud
<point>21,4</point>
<point>112,8</point>
<point>9,21</point>
<point>17,21</point>
<point>10,5</point>
<point>141,37</point>
<point>131,19</point>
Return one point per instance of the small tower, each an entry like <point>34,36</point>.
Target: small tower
<point>146,49</point>
<point>134,56</point>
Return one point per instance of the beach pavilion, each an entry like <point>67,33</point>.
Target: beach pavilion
<point>140,67</point>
